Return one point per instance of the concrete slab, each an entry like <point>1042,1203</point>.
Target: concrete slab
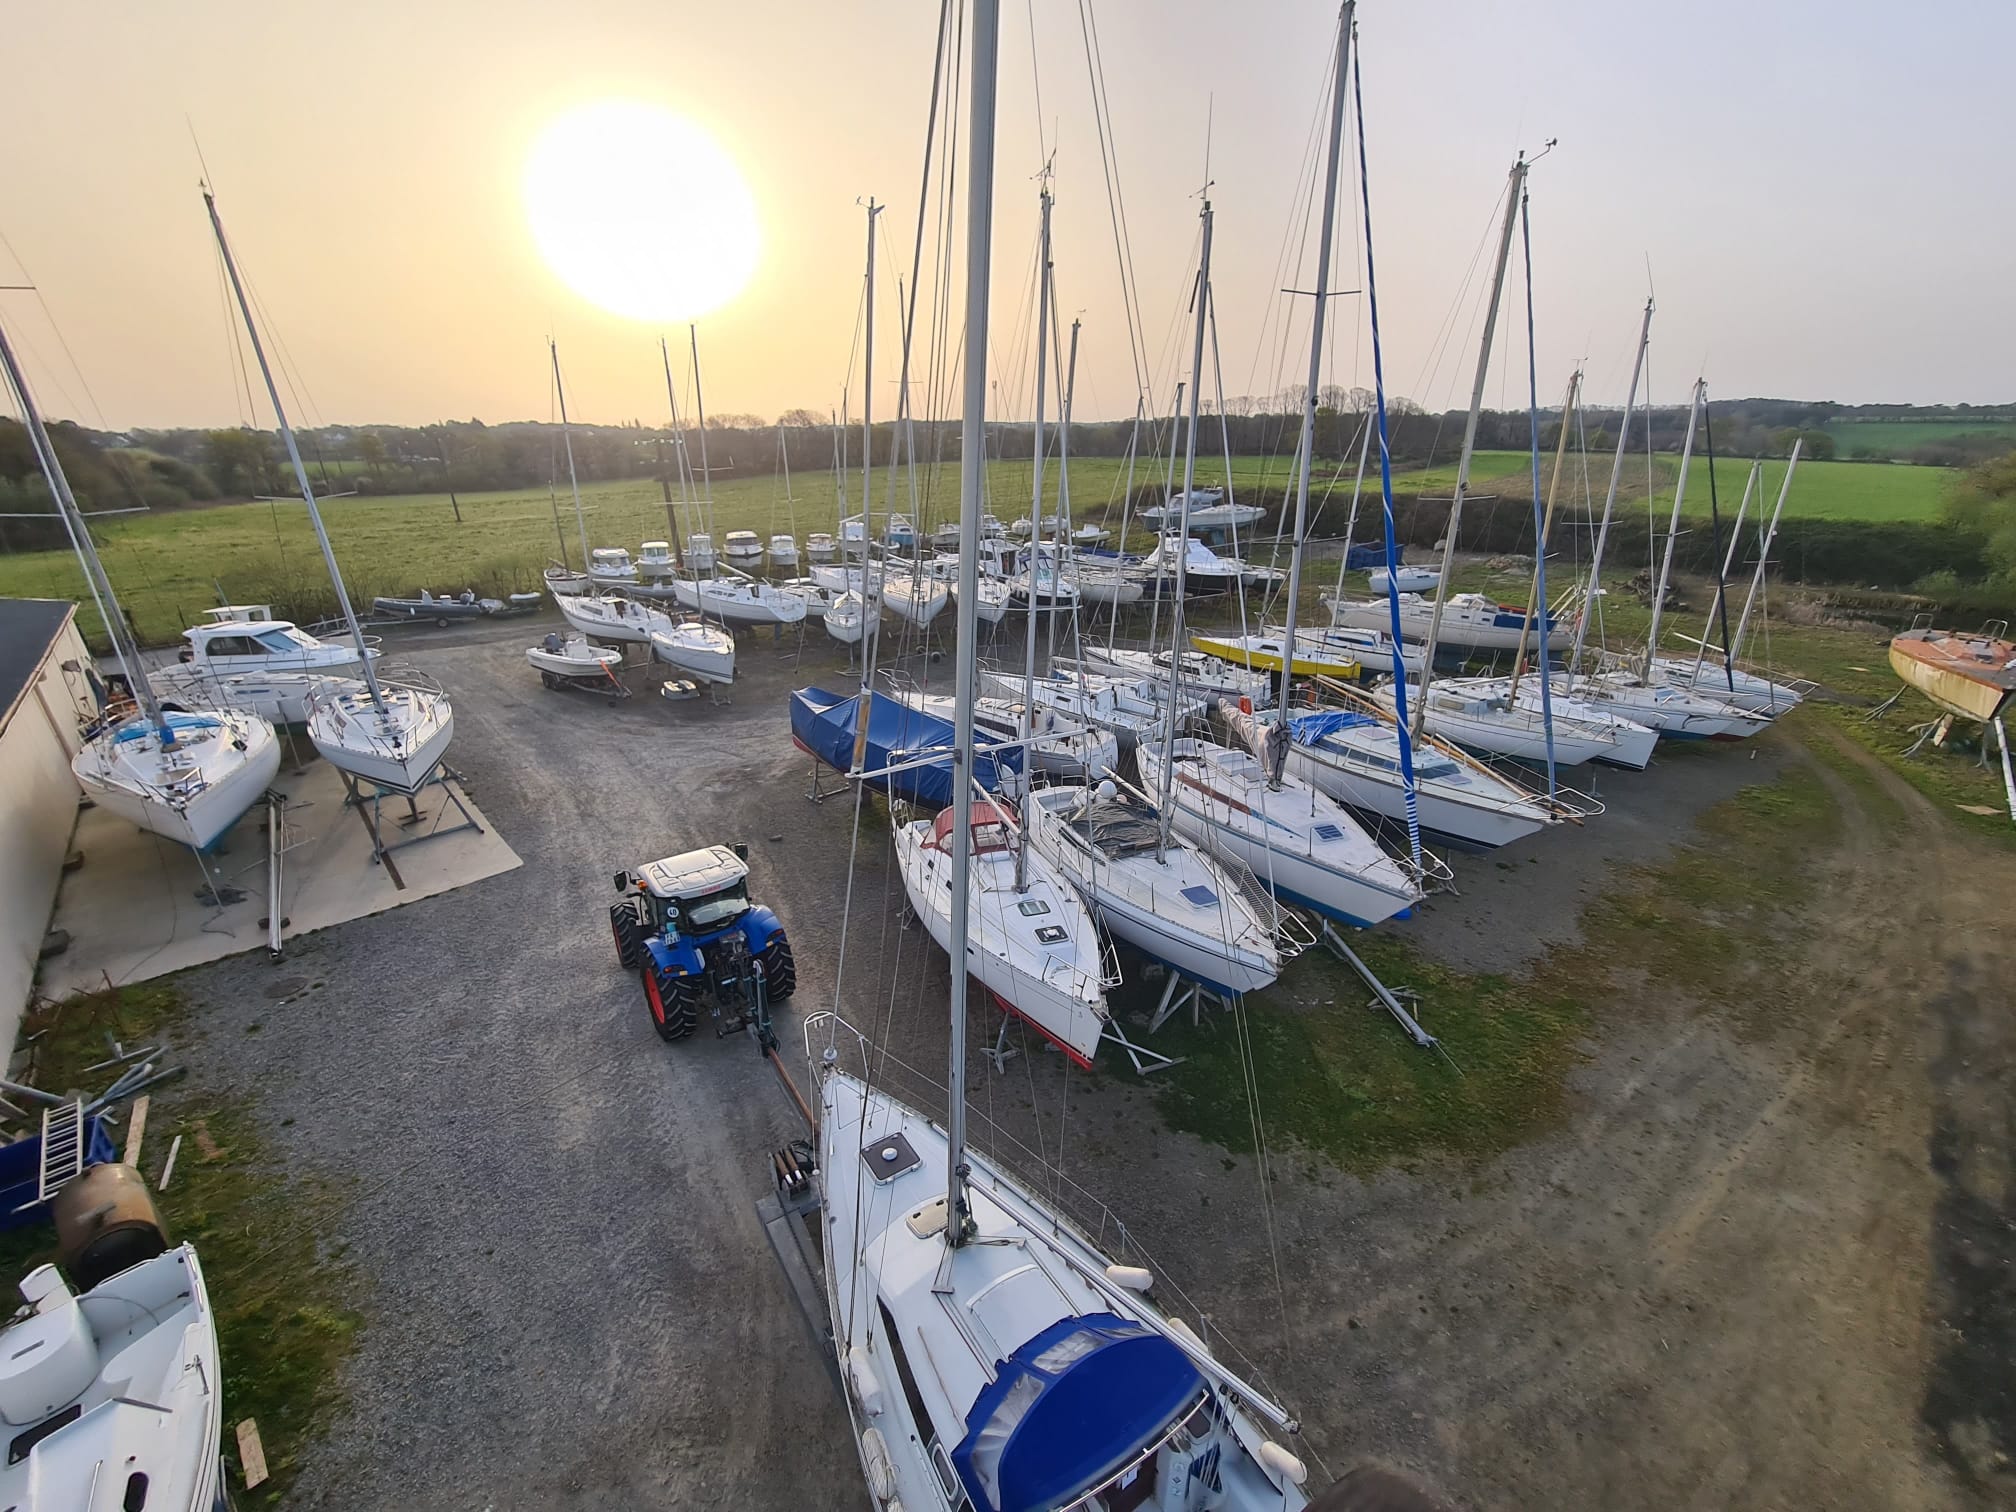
<point>134,909</point>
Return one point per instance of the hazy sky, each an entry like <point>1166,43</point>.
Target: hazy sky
<point>1822,190</point>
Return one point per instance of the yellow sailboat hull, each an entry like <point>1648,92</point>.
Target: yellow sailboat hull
<point>1263,653</point>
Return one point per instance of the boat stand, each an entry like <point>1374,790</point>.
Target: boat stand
<point>1181,993</point>
<point>369,810</point>
<point>819,792</point>
<point>1146,1062</point>
<point>1383,996</point>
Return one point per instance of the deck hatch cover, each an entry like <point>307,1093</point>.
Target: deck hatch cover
<point>889,1157</point>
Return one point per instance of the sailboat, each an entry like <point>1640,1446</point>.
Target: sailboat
<point>992,1355</point>
<point>1245,805</point>
<point>187,777</point>
<point>393,735</point>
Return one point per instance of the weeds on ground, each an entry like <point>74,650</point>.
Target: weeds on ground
<point>279,1292</point>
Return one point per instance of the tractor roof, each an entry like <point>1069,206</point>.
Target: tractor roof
<point>693,875</point>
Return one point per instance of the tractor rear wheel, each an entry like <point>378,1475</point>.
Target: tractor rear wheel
<point>673,1001</point>
<point>780,968</point>
<point>629,936</point>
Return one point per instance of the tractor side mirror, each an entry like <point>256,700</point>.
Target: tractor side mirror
<point>622,881</point>
<point>741,849</point>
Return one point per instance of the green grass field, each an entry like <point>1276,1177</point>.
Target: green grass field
<point>168,567</point>
<point>1886,438</point>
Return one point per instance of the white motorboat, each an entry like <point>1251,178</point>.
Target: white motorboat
<point>1743,690</point>
<point>846,618</point>
<point>655,560</point>
<point>574,660</point>
<point>260,666</point>
<point>821,547</point>
<point>1206,677</point>
<point>565,580</point>
<point>1058,749</point>
<point>854,538</point>
<point>610,566</point>
<point>1481,714</point>
<point>991,529</point>
<point>613,619</point>
<point>394,735</point>
<point>1354,757</point>
<point>1301,844</point>
<point>841,578</point>
<point>187,777</point>
<point>700,554</point>
<point>1090,535</point>
<point>1022,529</point>
<point>742,548</point>
<point>739,601</point>
<point>916,599</point>
<point>1152,889</point>
<point>114,1395</point>
<point>1208,511</point>
<point>1033,945</point>
<point>784,552</point>
<point>697,649</point>
<point>1410,579</point>
<point>945,537</point>
<point>1468,619</point>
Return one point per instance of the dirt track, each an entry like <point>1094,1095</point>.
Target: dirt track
<point>1760,1267</point>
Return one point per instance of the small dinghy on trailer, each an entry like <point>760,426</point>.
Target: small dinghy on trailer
<point>575,663</point>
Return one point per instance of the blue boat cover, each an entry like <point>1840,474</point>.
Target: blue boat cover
<point>178,724</point>
<point>1310,729</point>
<point>1069,1408</point>
<point>824,724</point>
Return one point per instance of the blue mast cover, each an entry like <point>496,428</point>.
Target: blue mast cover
<point>1069,1408</point>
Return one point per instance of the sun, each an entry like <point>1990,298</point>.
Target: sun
<point>641,212</point>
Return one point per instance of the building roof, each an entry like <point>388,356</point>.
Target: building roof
<point>28,628</point>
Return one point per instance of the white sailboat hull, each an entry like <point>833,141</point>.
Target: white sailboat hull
<point>397,748</point>
<point>221,765</point>
<point>736,602</point>
<point>614,619</point>
<point>1674,712</point>
<point>1063,998</point>
<point>1479,627</point>
<point>1297,841</point>
<point>278,697</point>
<point>1500,729</point>
<point>1751,693</point>
<point>698,650</point>
<point>914,600</point>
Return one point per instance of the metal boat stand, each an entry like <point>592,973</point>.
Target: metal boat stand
<point>1181,993</point>
<point>368,806</point>
<point>1146,1062</point>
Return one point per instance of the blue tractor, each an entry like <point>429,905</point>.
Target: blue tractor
<point>688,924</point>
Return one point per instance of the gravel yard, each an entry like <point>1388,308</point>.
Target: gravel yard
<point>1743,1276</point>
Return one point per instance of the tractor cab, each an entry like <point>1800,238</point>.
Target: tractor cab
<point>699,893</point>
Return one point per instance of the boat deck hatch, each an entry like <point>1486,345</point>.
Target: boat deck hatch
<point>889,1157</point>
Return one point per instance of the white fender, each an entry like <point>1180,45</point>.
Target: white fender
<point>1134,1277</point>
<point>1178,1326</point>
<point>881,1470</point>
<point>866,1382</point>
<point>1282,1465</point>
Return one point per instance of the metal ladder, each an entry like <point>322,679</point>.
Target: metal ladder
<point>62,1148</point>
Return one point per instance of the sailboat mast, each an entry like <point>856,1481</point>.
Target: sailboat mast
<point>294,455</point>
<point>87,550</point>
<point>682,527</point>
<point>1036,490</point>
<point>1126,516</point>
<point>1203,301</point>
<point>1162,523</point>
<point>1061,536</point>
<point>567,440</point>
<point>1695,404</point>
<point>1513,190</point>
<point>1609,503</point>
<point>1308,448</point>
<point>1764,557</point>
<point>872,600</point>
<point>1535,604</point>
<point>1351,519</point>
<point>706,488</point>
<point>972,483</point>
<point>1722,584</point>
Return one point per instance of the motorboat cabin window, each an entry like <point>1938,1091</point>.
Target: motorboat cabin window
<point>281,640</point>
<point>235,645</point>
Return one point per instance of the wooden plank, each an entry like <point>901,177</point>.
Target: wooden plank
<point>251,1453</point>
<point>136,1126</point>
<point>168,1170</point>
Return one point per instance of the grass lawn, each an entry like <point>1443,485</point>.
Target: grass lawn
<point>1886,438</point>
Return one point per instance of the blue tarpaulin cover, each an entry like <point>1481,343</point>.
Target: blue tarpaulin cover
<point>1069,1408</point>
<point>823,723</point>
<point>1309,729</point>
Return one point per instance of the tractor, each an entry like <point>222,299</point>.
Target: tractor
<point>688,924</point>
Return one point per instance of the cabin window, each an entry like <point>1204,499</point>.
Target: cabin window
<point>1201,895</point>
<point>234,645</point>
<point>1031,907</point>
<point>1052,934</point>
<point>920,1416</point>
<point>1329,832</point>
<point>948,1478</point>
<point>277,640</point>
